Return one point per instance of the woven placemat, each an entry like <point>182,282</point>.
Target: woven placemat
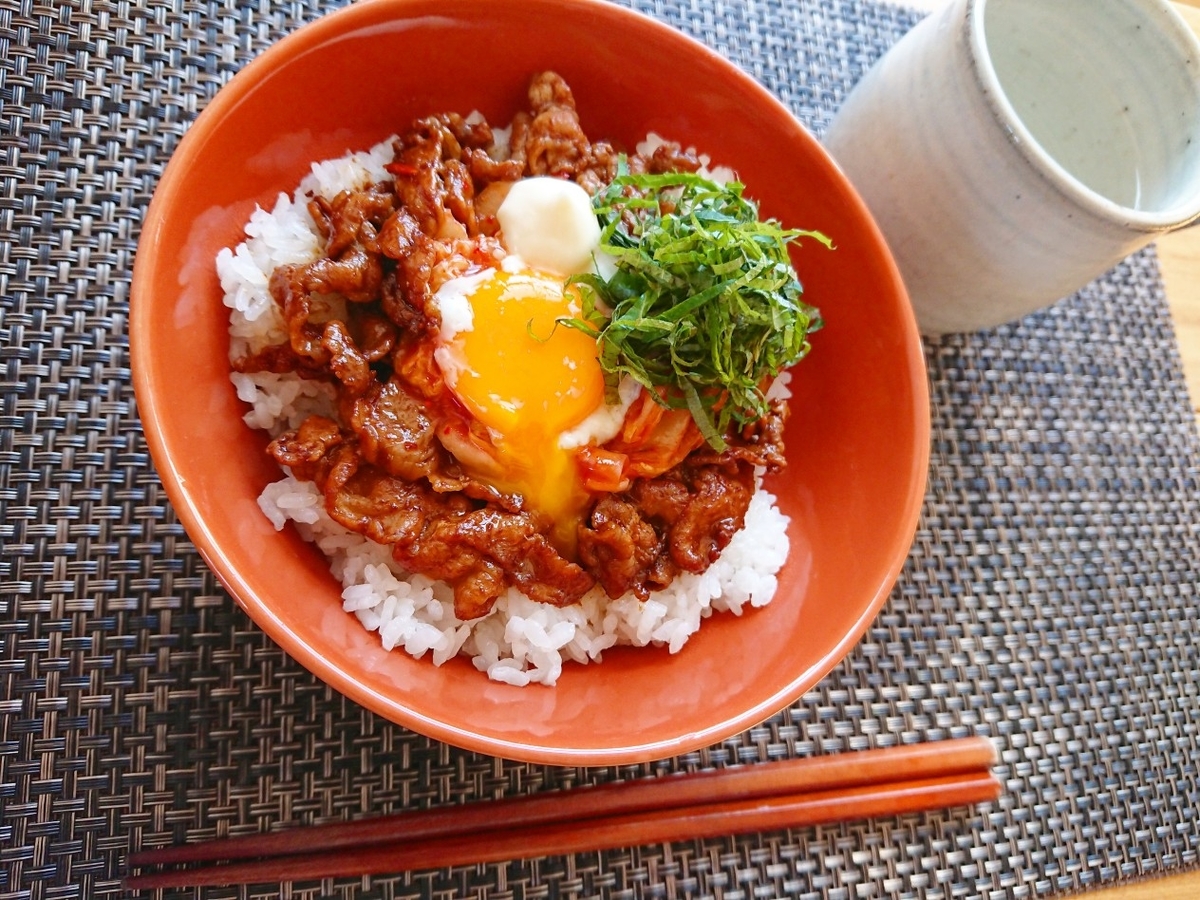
<point>1049,601</point>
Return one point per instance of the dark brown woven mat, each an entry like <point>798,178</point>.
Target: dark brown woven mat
<point>1049,602</point>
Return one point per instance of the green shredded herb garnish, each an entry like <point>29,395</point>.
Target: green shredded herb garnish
<point>704,302</point>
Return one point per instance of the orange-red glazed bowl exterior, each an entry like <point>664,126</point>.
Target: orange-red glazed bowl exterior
<point>857,441</point>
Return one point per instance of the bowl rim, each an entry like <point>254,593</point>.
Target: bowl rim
<point>151,412</point>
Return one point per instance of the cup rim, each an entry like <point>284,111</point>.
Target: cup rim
<point>1171,22</point>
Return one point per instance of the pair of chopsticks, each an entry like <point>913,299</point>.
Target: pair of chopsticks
<point>761,797</point>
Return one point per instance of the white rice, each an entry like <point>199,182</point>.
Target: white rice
<point>519,642</point>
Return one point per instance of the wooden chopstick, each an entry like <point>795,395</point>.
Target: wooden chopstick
<point>761,797</point>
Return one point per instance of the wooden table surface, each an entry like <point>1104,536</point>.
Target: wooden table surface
<point>1179,258</point>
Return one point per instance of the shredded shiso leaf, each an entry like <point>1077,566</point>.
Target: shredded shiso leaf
<point>704,308</point>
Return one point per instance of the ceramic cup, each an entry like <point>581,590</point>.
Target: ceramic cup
<point>1013,150</point>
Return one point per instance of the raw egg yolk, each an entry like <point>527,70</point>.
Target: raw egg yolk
<point>528,378</point>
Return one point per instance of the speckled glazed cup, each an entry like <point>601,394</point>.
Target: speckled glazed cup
<point>1013,150</point>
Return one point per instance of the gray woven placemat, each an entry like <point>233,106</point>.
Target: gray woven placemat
<point>1048,602</point>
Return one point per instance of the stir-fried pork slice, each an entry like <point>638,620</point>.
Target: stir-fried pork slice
<point>352,217</point>
<point>374,335</point>
<point>759,443</point>
<point>620,548</point>
<point>555,143</point>
<point>670,157</point>
<point>399,432</point>
<point>278,359</point>
<point>640,540</point>
<point>480,549</point>
<point>308,450</point>
<point>424,264</point>
<point>346,361</point>
<point>487,171</point>
<point>395,431</point>
<point>454,548</point>
<point>549,140</point>
<point>700,523</point>
<point>351,273</point>
<point>433,182</point>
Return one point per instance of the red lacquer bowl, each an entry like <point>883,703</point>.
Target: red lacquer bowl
<point>858,436</point>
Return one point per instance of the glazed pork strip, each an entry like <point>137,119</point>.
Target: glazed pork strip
<point>639,540</point>
<point>480,549</point>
